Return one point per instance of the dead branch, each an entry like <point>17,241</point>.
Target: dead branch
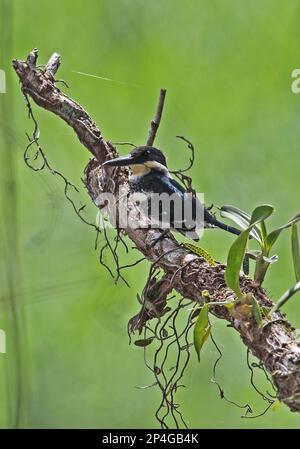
<point>274,342</point>
<point>156,121</point>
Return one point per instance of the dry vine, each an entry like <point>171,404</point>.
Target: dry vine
<point>273,343</point>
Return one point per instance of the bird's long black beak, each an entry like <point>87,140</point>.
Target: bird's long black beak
<point>120,161</point>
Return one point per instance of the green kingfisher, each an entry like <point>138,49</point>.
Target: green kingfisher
<point>150,175</point>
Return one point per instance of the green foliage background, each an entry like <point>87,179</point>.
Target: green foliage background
<point>227,67</point>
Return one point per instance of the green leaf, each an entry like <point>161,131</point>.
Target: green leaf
<point>256,311</point>
<point>201,330</point>
<point>261,213</point>
<point>286,296</point>
<point>238,248</point>
<point>240,218</point>
<point>263,231</point>
<point>234,261</point>
<point>273,236</point>
<point>296,252</point>
<point>237,215</point>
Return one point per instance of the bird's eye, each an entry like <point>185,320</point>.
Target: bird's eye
<point>147,152</point>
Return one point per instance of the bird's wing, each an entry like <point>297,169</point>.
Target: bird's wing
<point>199,211</point>
<point>194,215</point>
<point>175,186</point>
<point>201,217</point>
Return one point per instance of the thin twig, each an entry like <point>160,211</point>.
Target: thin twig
<point>53,64</point>
<point>156,121</point>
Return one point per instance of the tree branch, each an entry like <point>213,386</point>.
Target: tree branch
<point>272,342</point>
<point>156,121</point>
<point>39,84</point>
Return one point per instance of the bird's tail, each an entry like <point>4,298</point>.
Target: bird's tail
<point>227,228</point>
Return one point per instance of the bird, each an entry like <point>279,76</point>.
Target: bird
<point>150,175</point>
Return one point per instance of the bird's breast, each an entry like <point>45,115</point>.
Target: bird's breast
<point>151,183</point>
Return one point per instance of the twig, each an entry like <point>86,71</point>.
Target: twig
<point>125,143</point>
<point>156,121</point>
<point>53,64</point>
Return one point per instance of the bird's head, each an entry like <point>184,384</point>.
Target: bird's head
<point>141,161</point>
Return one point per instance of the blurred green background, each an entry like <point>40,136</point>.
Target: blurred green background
<point>227,67</point>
